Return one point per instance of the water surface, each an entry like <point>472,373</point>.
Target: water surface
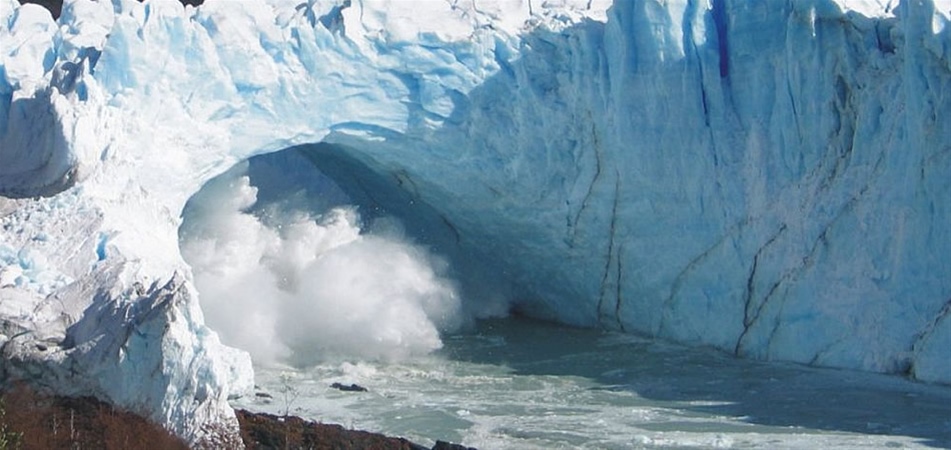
<point>518,384</point>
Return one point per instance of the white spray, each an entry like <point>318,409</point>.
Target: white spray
<point>302,288</point>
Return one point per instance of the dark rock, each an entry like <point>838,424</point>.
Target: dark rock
<point>266,431</point>
<point>351,388</point>
<point>443,445</point>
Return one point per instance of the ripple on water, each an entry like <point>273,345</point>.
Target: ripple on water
<point>525,385</point>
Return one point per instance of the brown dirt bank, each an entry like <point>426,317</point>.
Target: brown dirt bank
<point>267,431</point>
<point>31,420</point>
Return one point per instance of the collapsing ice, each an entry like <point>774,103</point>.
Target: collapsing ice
<point>304,277</point>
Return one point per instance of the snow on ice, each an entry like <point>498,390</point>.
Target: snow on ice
<point>770,178</point>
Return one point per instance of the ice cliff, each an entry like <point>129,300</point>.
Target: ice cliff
<point>771,178</point>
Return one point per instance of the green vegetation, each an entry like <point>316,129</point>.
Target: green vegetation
<point>9,439</point>
<point>45,421</point>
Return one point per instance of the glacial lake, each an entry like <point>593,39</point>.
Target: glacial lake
<point>521,384</point>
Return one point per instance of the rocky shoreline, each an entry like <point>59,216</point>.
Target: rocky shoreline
<point>268,431</point>
<point>32,420</point>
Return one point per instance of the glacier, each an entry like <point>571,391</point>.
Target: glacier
<point>769,178</point>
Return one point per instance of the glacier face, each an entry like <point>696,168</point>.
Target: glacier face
<point>770,178</point>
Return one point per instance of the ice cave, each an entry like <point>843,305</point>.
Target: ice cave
<point>187,189</point>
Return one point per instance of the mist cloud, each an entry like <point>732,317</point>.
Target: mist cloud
<point>303,288</point>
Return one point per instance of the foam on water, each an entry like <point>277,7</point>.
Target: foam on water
<point>320,295</point>
<point>517,384</point>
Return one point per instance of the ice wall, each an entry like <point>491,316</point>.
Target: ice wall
<point>772,178</point>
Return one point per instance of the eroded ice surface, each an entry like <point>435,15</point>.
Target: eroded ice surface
<point>769,178</point>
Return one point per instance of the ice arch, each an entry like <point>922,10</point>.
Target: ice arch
<point>307,254</point>
<point>770,178</point>
<point>660,172</point>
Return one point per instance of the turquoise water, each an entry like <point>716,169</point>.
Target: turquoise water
<point>518,384</point>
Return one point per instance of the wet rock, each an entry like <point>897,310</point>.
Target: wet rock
<point>349,388</point>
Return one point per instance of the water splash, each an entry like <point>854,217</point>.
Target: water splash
<point>295,286</point>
